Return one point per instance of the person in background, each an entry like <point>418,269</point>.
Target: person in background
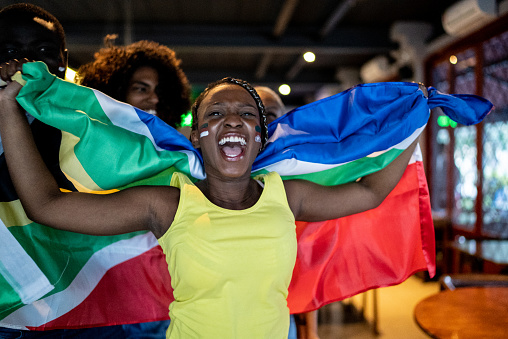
<point>274,106</point>
<point>144,74</point>
<point>306,323</point>
<point>30,32</point>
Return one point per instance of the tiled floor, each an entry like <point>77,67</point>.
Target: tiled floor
<point>395,313</point>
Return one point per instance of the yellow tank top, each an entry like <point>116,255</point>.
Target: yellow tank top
<point>230,269</point>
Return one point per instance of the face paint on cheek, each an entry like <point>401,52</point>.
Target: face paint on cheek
<point>257,138</point>
<point>203,130</point>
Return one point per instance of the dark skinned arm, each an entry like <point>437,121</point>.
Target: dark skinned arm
<point>313,202</point>
<point>140,208</point>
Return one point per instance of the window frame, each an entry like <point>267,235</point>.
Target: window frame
<point>475,42</point>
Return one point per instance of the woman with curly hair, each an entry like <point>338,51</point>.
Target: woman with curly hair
<point>144,74</point>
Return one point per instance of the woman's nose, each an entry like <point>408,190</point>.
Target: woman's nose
<point>153,97</point>
<point>232,119</point>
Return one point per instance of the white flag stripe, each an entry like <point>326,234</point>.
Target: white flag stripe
<point>19,269</point>
<point>125,116</point>
<point>293,166</point>
<point>50,308</point>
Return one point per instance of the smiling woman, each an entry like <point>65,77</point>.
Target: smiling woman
<point>233,119</point>
<point>142,89</point>
<point>229,240</point>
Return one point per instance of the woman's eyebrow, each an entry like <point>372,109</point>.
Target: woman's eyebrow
<point>217,103</point>
<point>139,82</point>
<point>239,103</point>
<point>248,105</point>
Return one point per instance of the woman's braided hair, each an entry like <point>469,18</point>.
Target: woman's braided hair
<point>249,88</point>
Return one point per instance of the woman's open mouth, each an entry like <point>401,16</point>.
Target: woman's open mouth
<point>232,147</point>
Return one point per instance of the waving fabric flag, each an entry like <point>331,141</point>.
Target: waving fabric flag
<point>107,145</point>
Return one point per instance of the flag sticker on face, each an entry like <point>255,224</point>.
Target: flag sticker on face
<point>203,130</point>
<point>258,134</point>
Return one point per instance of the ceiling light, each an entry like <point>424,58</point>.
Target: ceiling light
<point>284,89</point>
<point>309,57</point>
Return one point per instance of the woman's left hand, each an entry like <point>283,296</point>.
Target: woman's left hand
<point>422,87</point>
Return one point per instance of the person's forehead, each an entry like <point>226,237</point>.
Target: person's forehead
<point>230,92</point>
<point>28,32</point>
<point>145,71</point>
<point>265,96</point>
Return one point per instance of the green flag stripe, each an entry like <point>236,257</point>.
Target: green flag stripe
<point>346,172</point>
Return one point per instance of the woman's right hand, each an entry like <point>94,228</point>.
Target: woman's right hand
<point>11,88</point>
<point>9,68</point>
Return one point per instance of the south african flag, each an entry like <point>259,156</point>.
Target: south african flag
<point>56,279</point>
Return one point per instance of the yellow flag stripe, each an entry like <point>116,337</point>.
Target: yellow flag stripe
<point>13,214</point>
<point>69,163</point>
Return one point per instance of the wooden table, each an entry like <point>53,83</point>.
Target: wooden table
<point>469,312</point>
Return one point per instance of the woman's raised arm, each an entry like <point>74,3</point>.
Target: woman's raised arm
<point>313,202</point>
<point>140,208</point>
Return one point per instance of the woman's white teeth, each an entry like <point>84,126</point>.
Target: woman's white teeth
<point>232,139</point>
